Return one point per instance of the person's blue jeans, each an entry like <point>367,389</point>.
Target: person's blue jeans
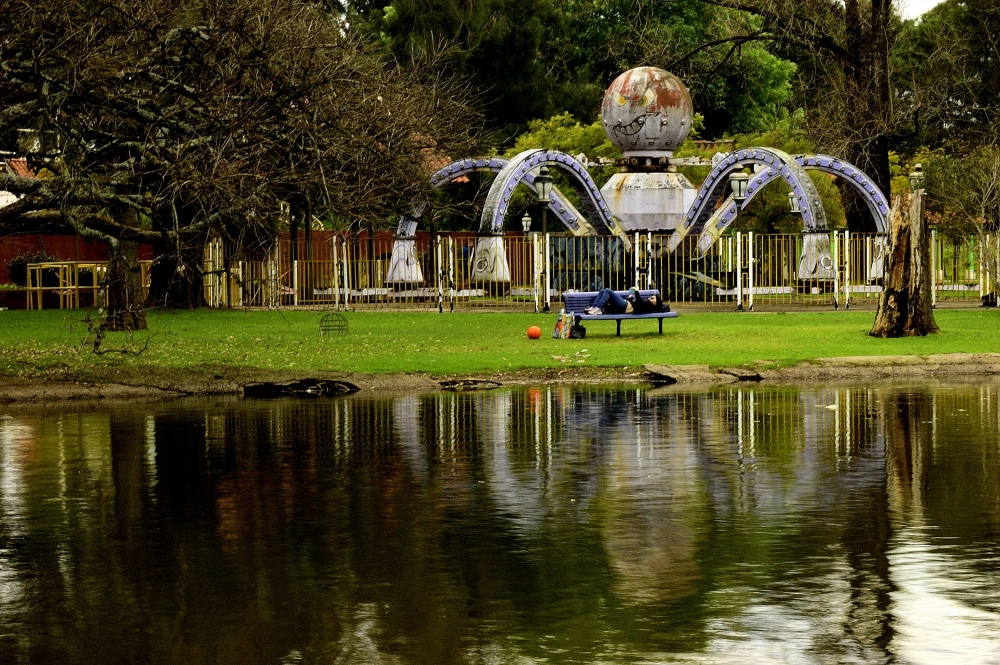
<point>609,302</point>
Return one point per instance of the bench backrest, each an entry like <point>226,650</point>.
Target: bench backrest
<point>577,302</point>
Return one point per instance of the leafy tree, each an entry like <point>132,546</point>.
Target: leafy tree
<point>535,59</point>
<point>947,75</point>
<point>964,193</point>
<point>737,85</point>
<point>494,44</point>
<point>842,52</point>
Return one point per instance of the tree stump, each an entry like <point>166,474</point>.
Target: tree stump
<point>904,306</point>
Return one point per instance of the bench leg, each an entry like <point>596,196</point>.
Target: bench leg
<point>618,333</point>
<point>661,325</point>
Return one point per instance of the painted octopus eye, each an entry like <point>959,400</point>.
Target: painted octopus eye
<point>648,97</point>
<point>622,100</point>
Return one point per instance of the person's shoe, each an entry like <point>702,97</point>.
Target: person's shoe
<point>594,311</point>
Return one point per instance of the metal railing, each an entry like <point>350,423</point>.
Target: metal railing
<point>528,271</point>
<point>74,284</point>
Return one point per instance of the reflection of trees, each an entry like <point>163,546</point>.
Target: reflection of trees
<point>432,528</point>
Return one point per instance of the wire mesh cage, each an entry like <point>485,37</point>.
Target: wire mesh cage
<point>333,323</point>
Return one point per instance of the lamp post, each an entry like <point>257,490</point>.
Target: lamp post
<point>526,223</point>
<point>543,187</point>
<point>738,181</point>
<point>917,177</point>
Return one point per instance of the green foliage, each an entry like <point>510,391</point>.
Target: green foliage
<point>563,132</point>
<point>18,266</point>
<point>750,96</point>
<point>494,43</point>
<point>737,89</point>
<point>965,191</point>
<point>947,75</point>
<point>532,59</point>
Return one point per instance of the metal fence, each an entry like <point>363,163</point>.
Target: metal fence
<point>446,272</point>
<point>72,284</point>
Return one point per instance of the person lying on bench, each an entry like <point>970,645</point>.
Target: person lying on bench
<point>609,302</point>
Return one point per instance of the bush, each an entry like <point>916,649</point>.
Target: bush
<point>18,266</point>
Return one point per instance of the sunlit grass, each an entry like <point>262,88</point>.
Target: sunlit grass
<point>381,342</point>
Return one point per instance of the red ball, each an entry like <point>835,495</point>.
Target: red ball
<point>534,332</point>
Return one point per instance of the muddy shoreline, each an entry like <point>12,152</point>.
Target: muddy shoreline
<point>164,383</point>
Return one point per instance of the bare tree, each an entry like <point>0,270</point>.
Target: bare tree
<point>165,122</point>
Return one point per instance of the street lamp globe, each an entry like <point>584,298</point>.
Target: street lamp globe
<point>526,222</point>
<point>793,202</point>
<point>738,181</point>
<point>543,185</point>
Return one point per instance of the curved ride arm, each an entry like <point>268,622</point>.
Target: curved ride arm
<point>560,206</point>
<point>874,199</point>
<point>873,196</point>
<point>770,163</point>
<point>522,167</point>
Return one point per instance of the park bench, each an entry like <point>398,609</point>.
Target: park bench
<point>577,303</point>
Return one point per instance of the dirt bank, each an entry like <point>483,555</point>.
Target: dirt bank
<point>159,383</point>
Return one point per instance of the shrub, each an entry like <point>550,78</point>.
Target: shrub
<point>18,266</point>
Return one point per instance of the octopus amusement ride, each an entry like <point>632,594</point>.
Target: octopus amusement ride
<point>647,113</point>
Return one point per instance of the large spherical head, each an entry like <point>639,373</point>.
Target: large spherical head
<point>647,111</point>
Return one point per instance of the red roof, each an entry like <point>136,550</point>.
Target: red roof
<point>19,167</point>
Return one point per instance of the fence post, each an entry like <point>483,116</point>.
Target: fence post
<point>295,283</point>
<point>750,270</point>
<point>335,270</point>
<point>649,261</point>
<point>847,269</point>
<point>439,277</point>
<point>934,269</point>
<point>452,286</point>
<point>739,271</point>
<point>979,266</point>
<point>535,269</point>
<point>635,261</point>
<point>996,268</point>
<point>347,273</point>
<point>835,245</point>
<point>548,284</point>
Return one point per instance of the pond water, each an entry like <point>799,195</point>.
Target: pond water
<point>558,525</point>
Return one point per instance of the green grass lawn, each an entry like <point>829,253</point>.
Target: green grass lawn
<point>378,342</point>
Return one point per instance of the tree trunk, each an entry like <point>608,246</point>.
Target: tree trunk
<point>124,288</point>
<point>868,101</point>
<point>904,306</point>
<point>176,281</point>
<point>123,282</point>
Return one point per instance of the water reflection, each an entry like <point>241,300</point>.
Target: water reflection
<point>557,525</point>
